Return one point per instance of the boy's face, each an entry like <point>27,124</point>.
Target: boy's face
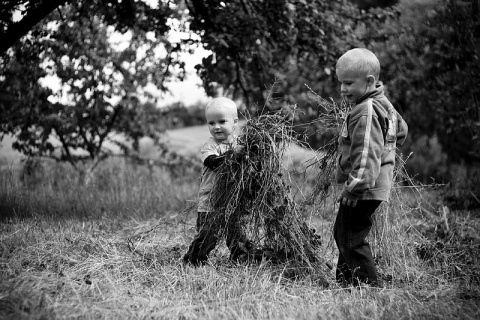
<point>353,84</point>
<point>221,124</point>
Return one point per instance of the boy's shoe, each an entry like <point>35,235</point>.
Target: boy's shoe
<point>356,283</point>
<point>386,277</point>
<point>240,252</point>
<point>239,257</point>
<point>384,280</point>
<point>194,261</point>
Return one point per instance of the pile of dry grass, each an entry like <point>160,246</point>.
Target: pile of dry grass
<point>253,192</point>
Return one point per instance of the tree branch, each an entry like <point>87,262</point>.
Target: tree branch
<point>242,82</point>
<point>21,28</point>
<point>245,7</point>
<point>110,124</point>
<point>67,151</point>
<point>83,134</point>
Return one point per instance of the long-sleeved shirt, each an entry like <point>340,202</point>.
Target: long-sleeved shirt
<point>211,148</point>
<point>367,147</point>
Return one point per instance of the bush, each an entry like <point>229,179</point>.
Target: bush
<point>428,161</point>
<point>463,190</point>
<point>181,116</point>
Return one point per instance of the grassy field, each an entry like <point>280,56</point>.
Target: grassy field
<point>112,250</point>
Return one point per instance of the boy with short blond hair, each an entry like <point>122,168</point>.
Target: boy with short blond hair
<point>365,163</point>
<point>222,120</point>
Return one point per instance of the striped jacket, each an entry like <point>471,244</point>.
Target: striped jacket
<point>367,146</point>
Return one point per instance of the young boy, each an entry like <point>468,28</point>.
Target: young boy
<point>222,120</point>
<point>365,163</point>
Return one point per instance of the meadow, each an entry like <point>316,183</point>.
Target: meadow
<point>113,249</point>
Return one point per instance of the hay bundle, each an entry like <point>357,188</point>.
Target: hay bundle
<point>331,117</point>
<point>252,192</point>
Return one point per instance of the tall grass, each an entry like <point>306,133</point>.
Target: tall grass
<point>112,250</point>
<point>119,189</point>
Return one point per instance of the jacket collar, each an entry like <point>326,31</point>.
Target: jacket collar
<point>377,92</point>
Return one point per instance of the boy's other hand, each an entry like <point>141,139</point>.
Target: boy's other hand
<point>239,149</point>
<point>240,152</point>
<point>347,202</point>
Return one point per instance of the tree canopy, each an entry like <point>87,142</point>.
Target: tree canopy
<point>433,71</point>
<point>124,15</point>
<point>101,85</point>
<point>430,64</point>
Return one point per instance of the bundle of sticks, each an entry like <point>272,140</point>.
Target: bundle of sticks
<point>253,193</point>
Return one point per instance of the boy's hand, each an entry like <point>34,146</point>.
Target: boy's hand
<point>239,152</point>
<point>347,202</point>
<point>239,149</point>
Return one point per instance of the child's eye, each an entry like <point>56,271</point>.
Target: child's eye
<point>222,121</point>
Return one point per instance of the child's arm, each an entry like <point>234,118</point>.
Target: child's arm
<point>402,130</point>
<point>213,161</point>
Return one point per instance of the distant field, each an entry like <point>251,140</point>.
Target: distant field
<point>186,141</point>
<point>8,156</point>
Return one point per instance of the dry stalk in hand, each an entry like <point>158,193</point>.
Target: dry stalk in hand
<point>332,117</point>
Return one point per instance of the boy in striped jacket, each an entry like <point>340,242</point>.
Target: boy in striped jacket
<point>365,163</point>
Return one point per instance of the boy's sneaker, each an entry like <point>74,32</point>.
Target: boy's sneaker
<point>238,257</point>
<point>384,280</point>
<point>240,252</point>
<point>194,261</point>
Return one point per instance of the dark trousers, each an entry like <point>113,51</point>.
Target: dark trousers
<point>355,261</point>
<point>208,236</point>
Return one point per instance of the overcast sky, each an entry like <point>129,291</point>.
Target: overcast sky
<point>189,91</point>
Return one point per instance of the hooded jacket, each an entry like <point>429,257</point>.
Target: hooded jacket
<point>367,146</point>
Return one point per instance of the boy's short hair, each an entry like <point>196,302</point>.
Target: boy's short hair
<point>360,60</point>
<point>223,103</point>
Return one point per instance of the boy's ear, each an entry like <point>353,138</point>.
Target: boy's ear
<point>370,80</point>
